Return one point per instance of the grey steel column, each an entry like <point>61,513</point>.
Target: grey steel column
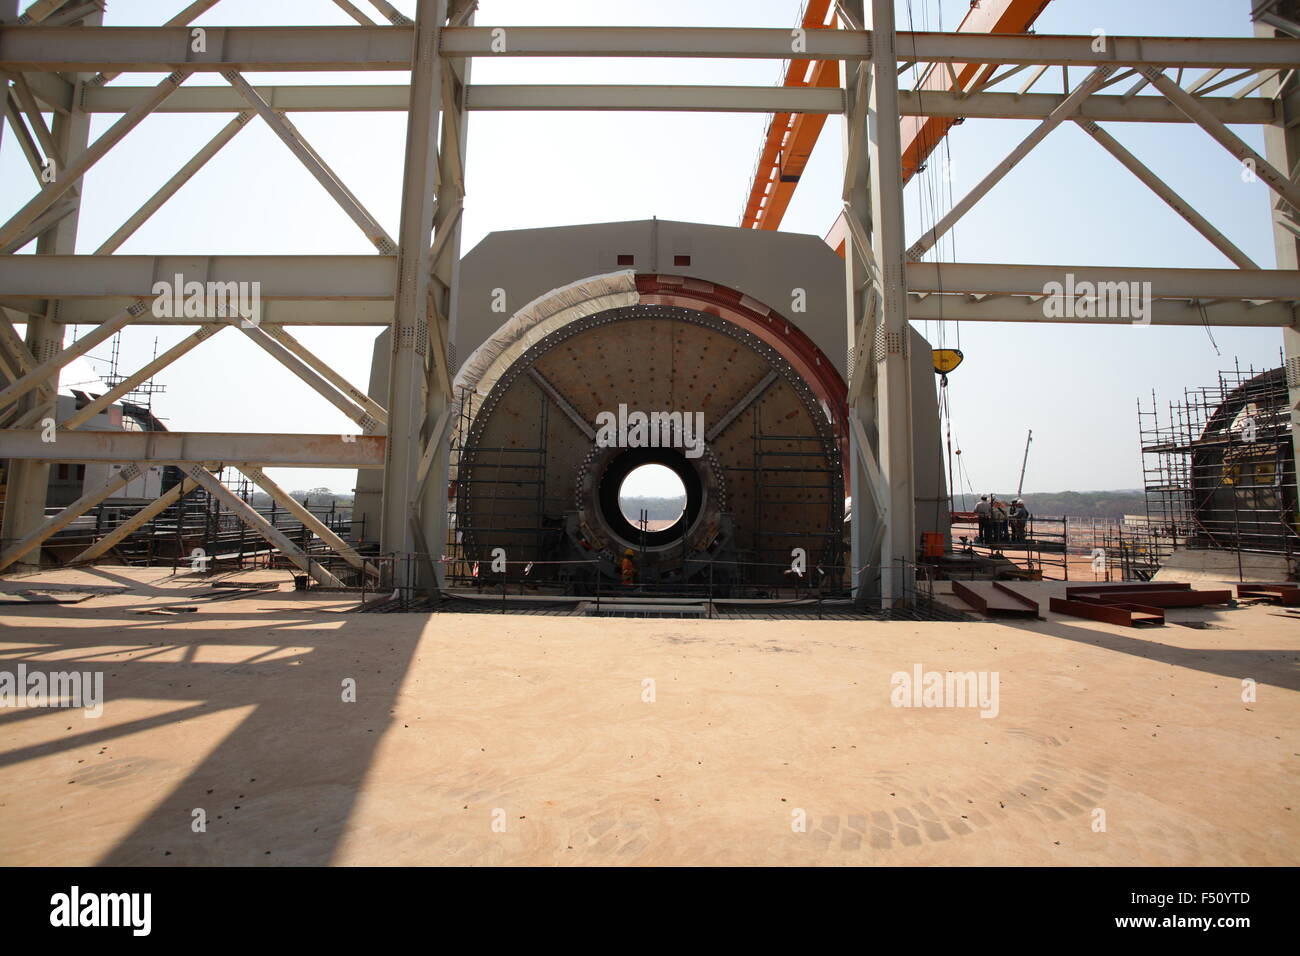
<point>408,404</point>
<point>860,286</point>
<point>1282,148</point>
<point>893,371</point>
<point>444,293</point>
<point>26,481</point>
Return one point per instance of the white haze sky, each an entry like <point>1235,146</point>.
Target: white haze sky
<point>652,481</point>
<point>1068,202</point>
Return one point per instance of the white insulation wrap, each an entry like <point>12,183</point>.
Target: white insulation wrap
<point>540,318</point>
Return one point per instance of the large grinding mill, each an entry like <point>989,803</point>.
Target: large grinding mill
<point>742,329</point>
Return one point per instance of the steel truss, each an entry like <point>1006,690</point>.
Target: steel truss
<point>57,58</point>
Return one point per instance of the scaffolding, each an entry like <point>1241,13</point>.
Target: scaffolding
<point>1218,471</point>
<point>142,393</point>
<point>508,504</point>
<point>198,523</point>
<point>792,471</point>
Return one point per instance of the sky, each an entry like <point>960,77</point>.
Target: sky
<point>1069,202</point>
<point>648,481</point>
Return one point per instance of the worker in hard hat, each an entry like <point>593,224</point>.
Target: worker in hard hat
<point>627,568</point>
<point>1019,515</point>
<point>982,514</point>
<point>999,520</point>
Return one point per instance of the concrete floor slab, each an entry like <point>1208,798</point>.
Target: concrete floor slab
<point>505,739</point>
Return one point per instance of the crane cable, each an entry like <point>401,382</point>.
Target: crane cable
<point>929,201</point>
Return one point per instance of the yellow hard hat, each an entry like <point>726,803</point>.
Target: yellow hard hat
<point>628,552</point>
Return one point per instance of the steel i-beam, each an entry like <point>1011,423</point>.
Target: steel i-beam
<point>309,520</point>
<point>406,402</point>
<point>72,512</point>
<point>136,521</point>
<point>277,538</point>
<point>894,373</point>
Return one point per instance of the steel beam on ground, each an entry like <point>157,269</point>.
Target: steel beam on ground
<point>1127,615</point>
<point>169,188</point>
<point>33,539</point>
<point>77,166</point>
<point>1063,112</point>
<point>274,536</point>
<point>136,521</point>
<point>261,450</point>
<point>309,520</point>
<point>1165,192</point>
<point>1278,181</point>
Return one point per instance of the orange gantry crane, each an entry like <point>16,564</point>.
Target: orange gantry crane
<point>791,137</point>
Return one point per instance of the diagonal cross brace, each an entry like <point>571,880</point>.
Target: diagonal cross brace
<point>299,146</point>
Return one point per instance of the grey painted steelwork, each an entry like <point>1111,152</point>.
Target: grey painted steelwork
<point>766,268</point>
<point>437,315</point>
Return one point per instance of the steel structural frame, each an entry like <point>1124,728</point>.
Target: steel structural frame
<point>414,291</point>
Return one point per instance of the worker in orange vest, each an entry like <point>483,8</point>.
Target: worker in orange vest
<point>627,568</point>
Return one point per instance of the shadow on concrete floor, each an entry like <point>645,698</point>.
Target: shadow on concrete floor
<point>288,777</point>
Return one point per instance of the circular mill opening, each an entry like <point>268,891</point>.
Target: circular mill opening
<point>652,497</point>
<point>757,470</point>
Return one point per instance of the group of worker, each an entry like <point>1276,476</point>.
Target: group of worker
<point>998,523</point>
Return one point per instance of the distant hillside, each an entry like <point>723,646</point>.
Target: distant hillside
<point>1072,504</point>
<point>1080,504</point>
<point>661,509</point>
